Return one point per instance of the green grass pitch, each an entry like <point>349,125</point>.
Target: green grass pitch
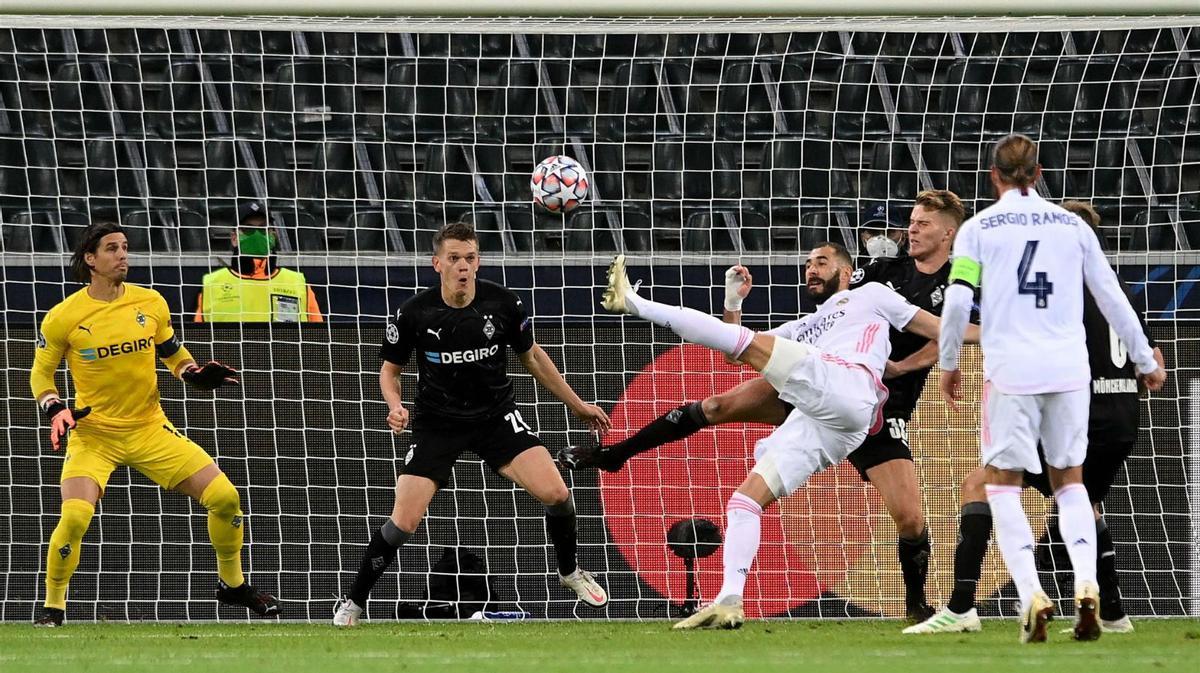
<point>544,647</point>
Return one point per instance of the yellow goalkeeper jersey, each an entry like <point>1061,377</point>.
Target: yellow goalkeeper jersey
<point>110,349</point>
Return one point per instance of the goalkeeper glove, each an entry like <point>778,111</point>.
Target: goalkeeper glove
<point>62,420</point>
<point>211,376</point>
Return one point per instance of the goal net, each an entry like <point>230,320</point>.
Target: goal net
<point>708,141</point>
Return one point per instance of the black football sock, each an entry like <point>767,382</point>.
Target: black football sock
<point>680,422</point>
<point>914,566</point>
<point>381,551</point>
<point>1106,573</point>
<point>974,530</point>
<point>560,525</point>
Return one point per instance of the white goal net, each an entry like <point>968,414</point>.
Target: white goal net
<point>708,142</point>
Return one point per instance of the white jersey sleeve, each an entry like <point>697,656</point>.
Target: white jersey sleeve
<point>789,330</point>
<point>1113,303</point>
<point>892,307</point>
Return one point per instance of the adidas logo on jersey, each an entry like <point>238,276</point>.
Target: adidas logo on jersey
<point>101,352</point>
<point>460,357</point>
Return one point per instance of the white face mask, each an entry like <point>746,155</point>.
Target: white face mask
<point>882,246</point>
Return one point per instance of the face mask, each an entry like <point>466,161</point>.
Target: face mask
<point>255,243</point>
<point>882,246</point>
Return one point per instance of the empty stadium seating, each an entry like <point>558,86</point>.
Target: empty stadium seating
<point>695,143</point>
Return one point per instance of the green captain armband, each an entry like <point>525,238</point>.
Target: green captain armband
<point>966,270</point>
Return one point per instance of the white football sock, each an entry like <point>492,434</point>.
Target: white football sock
<point>743,531</point>
<point>694,326</point>
<point>1015,539</point>
<point>1077,525</point>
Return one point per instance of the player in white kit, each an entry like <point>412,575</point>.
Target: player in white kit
<point>1030,259</point>
<point>827,365</point>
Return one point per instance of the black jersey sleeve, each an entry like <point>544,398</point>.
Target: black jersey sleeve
<point>867,273</point>
<point>398,337</point>
<point>521,334</point>
<point>1138,302</point>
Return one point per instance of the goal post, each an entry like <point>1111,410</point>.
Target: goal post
<point>709,141</point>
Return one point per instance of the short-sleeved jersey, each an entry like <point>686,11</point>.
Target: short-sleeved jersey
<point>923,290</point>
<point>462,372</point>
<point>1115,403</point>
<point>852,325</point>
<point>111,348</point>
<point>1034,258</point>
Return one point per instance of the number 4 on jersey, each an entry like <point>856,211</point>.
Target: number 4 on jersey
<point>1040,287</point>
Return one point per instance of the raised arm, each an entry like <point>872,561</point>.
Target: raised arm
<point>542,368</point>
<point>738,282</point>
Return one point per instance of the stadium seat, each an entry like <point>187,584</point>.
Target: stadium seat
<point>981,98</point>
<point>44,228</point>
<point>726,230</point>
<point>446,184</point>
<point>1166,229</point>
<point>490,227</point>
<point>115,167</point>
<point>197,99</point>
<point>641,106</point>
<point>799,175</point>
<point>96,96</point>
<point>762,98</point>
<point>428,99</point>
<point>691,175</point>
<point>166,230</point>
<point>1179,112</point>
<point>601,227</point>
<point>892,173</point>
<point>536,99</point>
<point>398,227</point>
<point>1089,98</point>
<point>861,108</point>
<point>312,99</point>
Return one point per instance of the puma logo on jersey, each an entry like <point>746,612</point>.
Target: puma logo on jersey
<point>86,329</point>
<point>437,334</point>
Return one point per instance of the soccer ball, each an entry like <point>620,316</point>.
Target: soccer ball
<point>559,184</point>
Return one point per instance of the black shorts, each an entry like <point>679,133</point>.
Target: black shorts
<point>890,443</point>
<point>1100,468</point>
<point>435,448</point>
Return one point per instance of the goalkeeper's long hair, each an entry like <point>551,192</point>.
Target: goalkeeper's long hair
<point>89,242</point>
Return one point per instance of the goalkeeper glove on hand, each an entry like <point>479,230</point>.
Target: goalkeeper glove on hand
<point>62,420</point>
<point>211,376</point>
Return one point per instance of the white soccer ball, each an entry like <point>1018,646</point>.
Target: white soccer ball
<point>559,184</point>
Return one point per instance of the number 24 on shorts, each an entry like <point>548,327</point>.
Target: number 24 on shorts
<point>518,424</point>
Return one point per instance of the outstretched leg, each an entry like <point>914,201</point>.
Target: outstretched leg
<point>754,401</point>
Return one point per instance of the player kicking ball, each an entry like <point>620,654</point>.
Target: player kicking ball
<point>828,366</point>
<point>110,333</point>
<point>462,328</point>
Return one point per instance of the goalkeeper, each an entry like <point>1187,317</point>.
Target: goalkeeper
<point>110,332</point>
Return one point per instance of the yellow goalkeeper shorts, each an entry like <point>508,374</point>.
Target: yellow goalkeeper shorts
<point>157,450</point>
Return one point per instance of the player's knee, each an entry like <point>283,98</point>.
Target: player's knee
<point>75,517</point>
<point>220,497</point>
<point>557,496</point>
<point>565,507</point>
<point>713,409</point>
<point>910,522</point>
<point>973,487</point>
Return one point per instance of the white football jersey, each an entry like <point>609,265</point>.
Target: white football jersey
<point>853,325</point>
<point>1035,258</point>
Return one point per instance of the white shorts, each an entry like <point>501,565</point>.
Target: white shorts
<point>835,405</point>
<point>1013,425</point>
